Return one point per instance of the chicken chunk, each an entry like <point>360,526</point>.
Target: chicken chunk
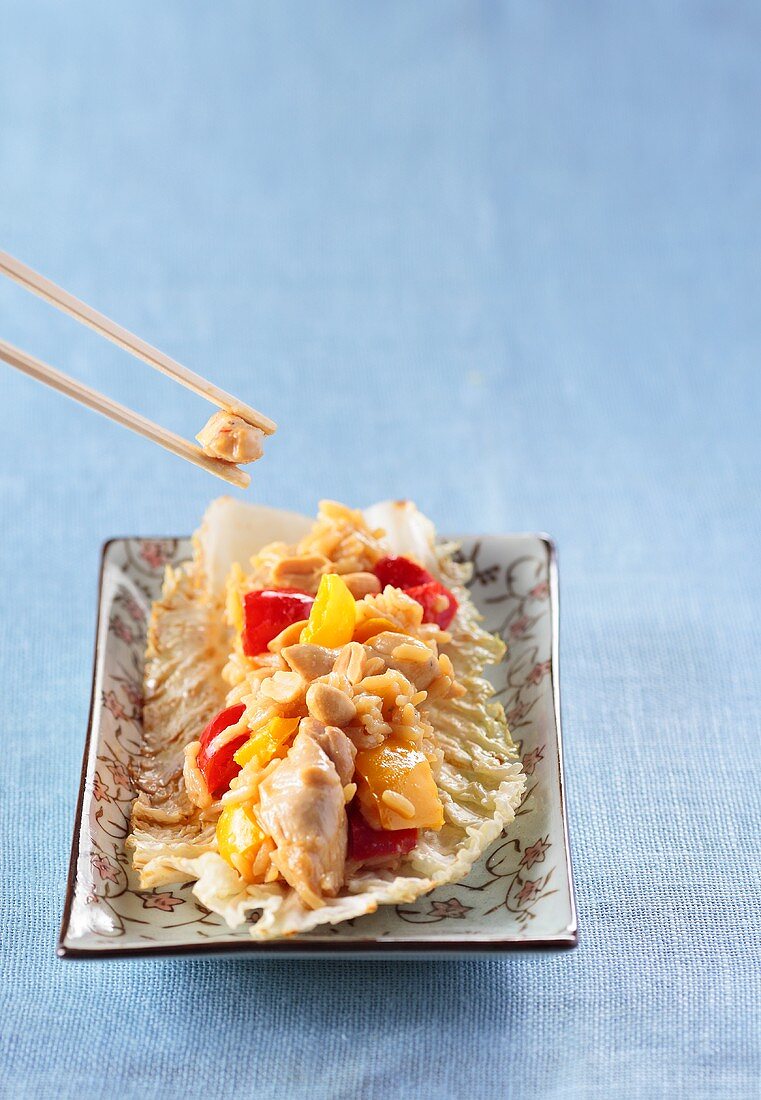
<point>301,806</point>
<point>421,671</point>
<point>231,438</point>
<point>309,660</point>
<point>335,744</point>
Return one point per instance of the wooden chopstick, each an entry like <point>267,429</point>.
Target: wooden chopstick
<point>62,300</point>
<point>35,368</point>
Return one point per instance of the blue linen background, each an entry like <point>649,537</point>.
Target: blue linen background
<point>503,258</point>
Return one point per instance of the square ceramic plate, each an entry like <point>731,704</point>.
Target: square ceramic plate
<point>520,895</point>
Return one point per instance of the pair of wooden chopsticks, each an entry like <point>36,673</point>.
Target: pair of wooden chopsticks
<point>66,302</point>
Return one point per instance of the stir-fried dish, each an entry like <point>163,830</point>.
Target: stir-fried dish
<point>319,737</point>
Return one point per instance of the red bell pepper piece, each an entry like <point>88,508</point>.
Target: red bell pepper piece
<point>421,586</point>
<point>267,612</point>
<point>368,844</point>
<point>401,573</point>
<point>429,597</point>
<point>219,768</point>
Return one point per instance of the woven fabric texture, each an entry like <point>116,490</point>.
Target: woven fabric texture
<point>502,258</point>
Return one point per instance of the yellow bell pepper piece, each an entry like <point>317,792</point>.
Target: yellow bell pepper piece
<point>363,632</point>
<point>402,770</point>
<point>267,742</point>
<point>239,838</point>
<point>331,623</point>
